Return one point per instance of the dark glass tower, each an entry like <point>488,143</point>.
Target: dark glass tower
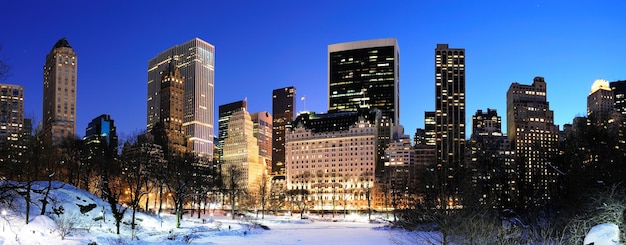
<point>283,110</point>
<point>365,73</point>
<point>101,131</point>
<point>449,116</point>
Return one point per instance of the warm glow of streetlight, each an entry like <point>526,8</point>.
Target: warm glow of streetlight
<point>4,212</point>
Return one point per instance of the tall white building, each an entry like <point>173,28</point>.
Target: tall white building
<point>241,152</point>
<point>195,60</point>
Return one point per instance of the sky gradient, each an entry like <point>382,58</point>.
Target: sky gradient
<point>265,45</point>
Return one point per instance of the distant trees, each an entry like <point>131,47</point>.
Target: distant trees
<point>300,198</point>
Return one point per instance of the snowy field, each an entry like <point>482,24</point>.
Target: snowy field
<point>87,226</point>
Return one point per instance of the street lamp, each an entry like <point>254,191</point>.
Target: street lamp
<point>4,215</point>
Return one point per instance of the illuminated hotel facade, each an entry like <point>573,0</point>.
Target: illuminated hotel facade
<point>333,156</point>
<point>196,60</point>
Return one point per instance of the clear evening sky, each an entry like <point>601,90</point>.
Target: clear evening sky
<point>264,45</point>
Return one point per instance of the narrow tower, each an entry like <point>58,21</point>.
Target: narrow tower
<point>59,93</point>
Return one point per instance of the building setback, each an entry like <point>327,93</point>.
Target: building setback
<point>59,93</point>
<point>534,137</point>
<point>333,156</point>
<point>196,61</point>
<point>225,112</point>
<point>283,110</point>
<point>241,154</point>
<point>600,102</point>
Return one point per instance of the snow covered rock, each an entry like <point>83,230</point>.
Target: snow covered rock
<point>603,234</point>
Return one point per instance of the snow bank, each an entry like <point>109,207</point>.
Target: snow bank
<point>603,234</point>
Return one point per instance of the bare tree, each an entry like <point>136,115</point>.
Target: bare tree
<point>138,160</point>
<point>299,197</point>
<point>180,179</point>
<point>264,192</point>
<point>232,177</point>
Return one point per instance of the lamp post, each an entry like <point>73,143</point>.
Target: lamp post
<point>4,215</point>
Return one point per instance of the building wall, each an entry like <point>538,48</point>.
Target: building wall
<point>196,61</point>
<point>262,122</point>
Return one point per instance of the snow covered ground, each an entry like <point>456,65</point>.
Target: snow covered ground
<point>88,226</point>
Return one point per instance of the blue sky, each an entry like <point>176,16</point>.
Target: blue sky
<point>264,45</point>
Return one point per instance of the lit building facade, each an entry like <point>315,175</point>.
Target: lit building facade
<point>241,152</point>
<point>283,110</point>
<point>619,96</point>
<point>196,61</point>
<point>535,138</point>
<point>59,93</point>
<point>225,112</point>
<point>11,113</point>
<point>401,174</point>
<point>333,156</point>
<point>168,131</point>
<point>600,102</point>
<point>449,117</point>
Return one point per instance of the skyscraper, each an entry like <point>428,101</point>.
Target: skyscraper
<point>196,60</point>
<point>101,131</point>
<point>283,110</point>
<point>533,135</point>
<point>11,113</point>
<point>600,102</point>
<point>365,73</point>
<point>619,105</point>
<point>168,131</point>
<point>59,93</point>
<point>449,113</point>
<point>241,153</point>
<point>225,112</point>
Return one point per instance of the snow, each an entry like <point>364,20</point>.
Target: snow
<point>603,234</point>
<point>87,226</point>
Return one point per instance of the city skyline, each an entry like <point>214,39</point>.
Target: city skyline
<point>262,47</point>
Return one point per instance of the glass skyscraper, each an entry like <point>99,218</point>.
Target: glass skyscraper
<point>365,73</point>
<point>196,60</point>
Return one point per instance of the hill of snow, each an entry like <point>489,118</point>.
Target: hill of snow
<point>87,219</point>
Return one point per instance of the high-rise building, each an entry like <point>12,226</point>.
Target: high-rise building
<point>283,110</point>
<point>600,102</point>
<point>449,115</point>
<point>619,105</point>
<point>168,131</point>
<point>101,132</point>
<point>11,113</point>
<point>262,123</point>
<point>225,112</point>
<point>196,61</point>
<point>241,153</point>
<point>59,93</point>
<point>365,73</point>
<point>492,162</point>
<point>535,138</point>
